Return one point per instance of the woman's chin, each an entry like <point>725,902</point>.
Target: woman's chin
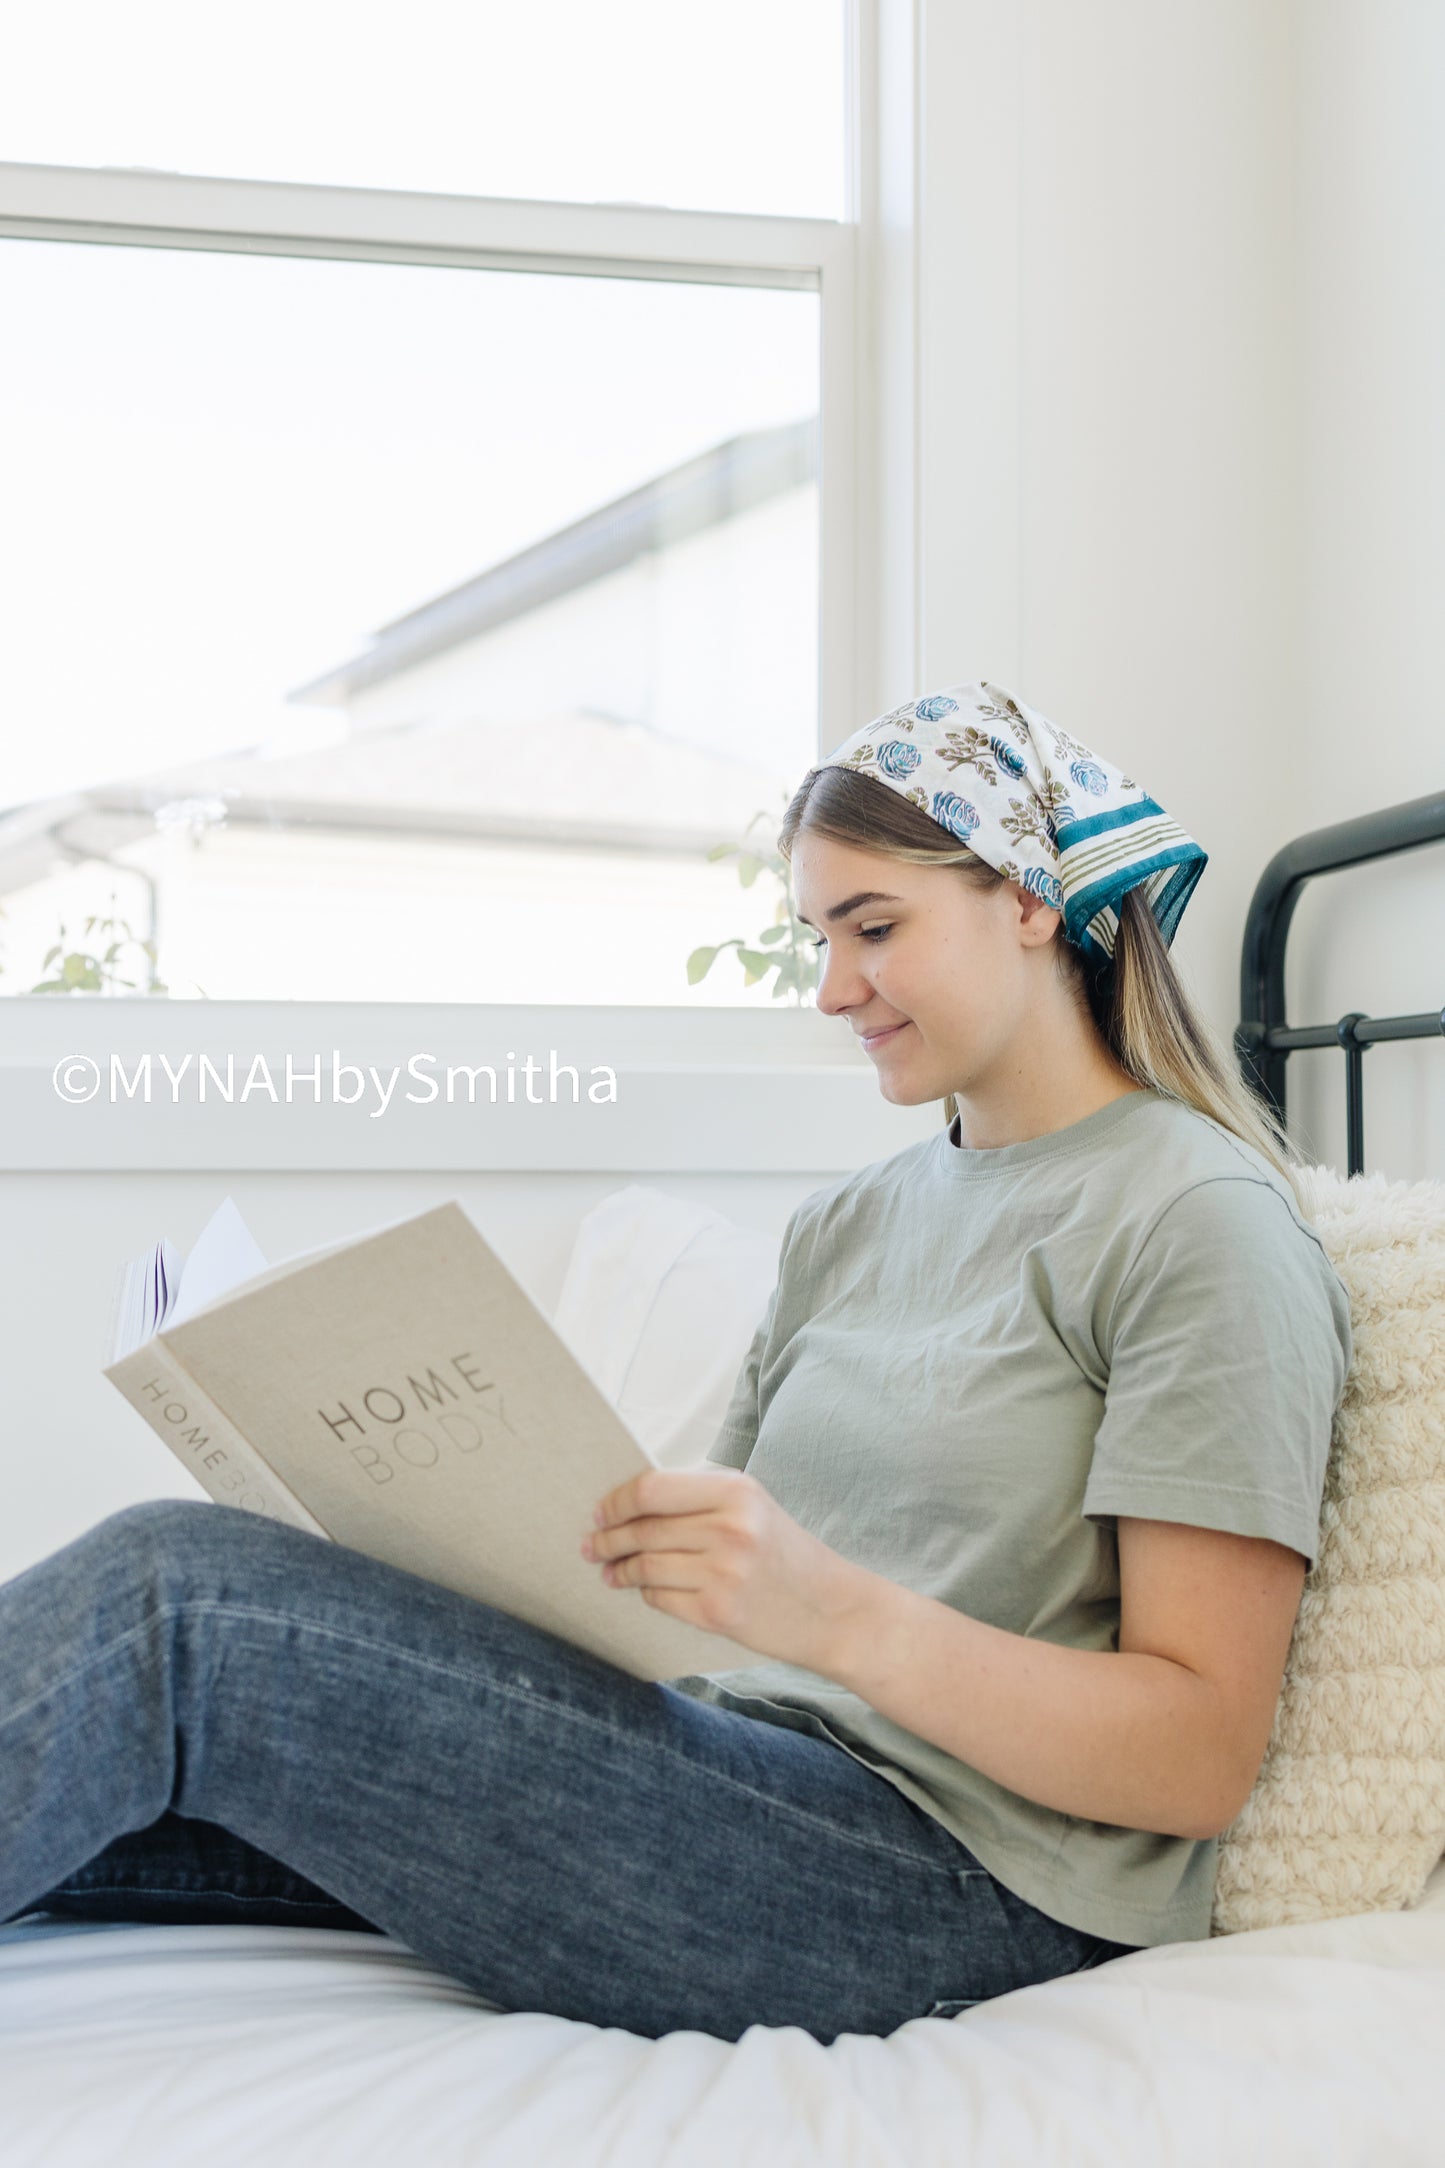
<point>902,1090</point>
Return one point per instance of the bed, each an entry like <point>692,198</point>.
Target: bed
<point>1315,2041</point>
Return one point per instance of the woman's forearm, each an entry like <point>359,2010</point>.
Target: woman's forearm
<point>1105,1735</point>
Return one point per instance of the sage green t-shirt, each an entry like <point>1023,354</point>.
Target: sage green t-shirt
<point>972,1362</point>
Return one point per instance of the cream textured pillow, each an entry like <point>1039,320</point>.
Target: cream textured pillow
<point>1348,1812</point>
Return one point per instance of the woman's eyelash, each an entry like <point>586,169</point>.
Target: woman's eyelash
<point>869,933</point>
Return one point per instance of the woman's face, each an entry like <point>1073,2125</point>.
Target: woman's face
<point>949,989</point>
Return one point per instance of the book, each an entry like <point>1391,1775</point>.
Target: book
<point>401,1393</point>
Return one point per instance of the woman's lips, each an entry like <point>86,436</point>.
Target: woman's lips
<point>876,1038</point>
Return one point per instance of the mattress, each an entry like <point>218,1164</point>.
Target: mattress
<point>165,2045</point>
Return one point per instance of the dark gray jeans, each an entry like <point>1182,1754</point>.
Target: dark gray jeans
<point>205,1715</point>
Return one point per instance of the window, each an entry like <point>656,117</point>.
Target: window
<point>716,107</point>
<point>406,592</point>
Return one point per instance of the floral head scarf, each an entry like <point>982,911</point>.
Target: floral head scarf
<point>1036,804</point>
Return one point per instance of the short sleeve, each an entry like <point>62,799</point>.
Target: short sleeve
<point>738,1431</point>
<point>1231,1343</point>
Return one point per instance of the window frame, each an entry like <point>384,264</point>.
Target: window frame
<point>274,218</point>
<point>867,272</point>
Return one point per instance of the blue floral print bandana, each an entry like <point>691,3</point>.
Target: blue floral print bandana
<point>1038,806</point>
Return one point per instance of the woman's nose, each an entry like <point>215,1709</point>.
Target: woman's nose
<point>838,987</point>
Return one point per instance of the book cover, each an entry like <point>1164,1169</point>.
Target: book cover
<point>401,1393</point>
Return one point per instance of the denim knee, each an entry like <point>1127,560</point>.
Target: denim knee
<point>155,1531</point>
<point>194,1537</point>
<point>153,1518</point>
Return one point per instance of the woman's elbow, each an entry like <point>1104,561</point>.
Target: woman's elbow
<point>1226,1803</point>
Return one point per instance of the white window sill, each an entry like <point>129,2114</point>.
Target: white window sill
<point>697,1090</point>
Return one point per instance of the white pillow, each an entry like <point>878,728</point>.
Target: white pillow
<point>659,1304</point>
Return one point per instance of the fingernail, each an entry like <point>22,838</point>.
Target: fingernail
<point>597,1516</point>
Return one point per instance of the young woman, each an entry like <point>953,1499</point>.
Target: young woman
<point>1014,1500</point>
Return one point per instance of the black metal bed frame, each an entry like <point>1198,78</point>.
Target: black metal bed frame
<point>1263,1040</point>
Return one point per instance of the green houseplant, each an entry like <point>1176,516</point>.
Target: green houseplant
<point>785,946</point>
<point>83,970</point>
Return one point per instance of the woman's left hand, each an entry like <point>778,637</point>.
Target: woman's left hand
<point>712,1547</point>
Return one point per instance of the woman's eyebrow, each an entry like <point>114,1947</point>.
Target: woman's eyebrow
<point>850,903</point>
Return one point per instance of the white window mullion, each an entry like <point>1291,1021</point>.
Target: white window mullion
<point>487,232</point>
<point>842,595</point>
<point>885,180</point>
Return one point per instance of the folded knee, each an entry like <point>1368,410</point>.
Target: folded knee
<point>156,1530</point>
<point>154,1517</point>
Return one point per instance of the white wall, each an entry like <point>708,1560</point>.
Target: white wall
<point>1370,190</point>
<point>1107,400</point>
<point>1181,484</point>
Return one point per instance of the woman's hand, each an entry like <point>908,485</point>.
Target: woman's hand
<point>712,1547</point>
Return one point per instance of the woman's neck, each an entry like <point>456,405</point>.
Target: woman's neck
<point>980,1128</point>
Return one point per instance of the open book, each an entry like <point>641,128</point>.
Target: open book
<point>401,1393</point>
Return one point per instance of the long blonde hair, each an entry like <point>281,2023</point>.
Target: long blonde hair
<point>1138,1005</point>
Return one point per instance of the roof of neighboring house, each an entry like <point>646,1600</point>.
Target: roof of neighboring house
<point>470,779</point>
<point>570,778</point>
<point>719,483</point>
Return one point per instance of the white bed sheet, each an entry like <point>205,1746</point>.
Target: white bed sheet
<point>1314,2045</point>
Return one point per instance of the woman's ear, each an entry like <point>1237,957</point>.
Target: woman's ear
<point>1038,920</point>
